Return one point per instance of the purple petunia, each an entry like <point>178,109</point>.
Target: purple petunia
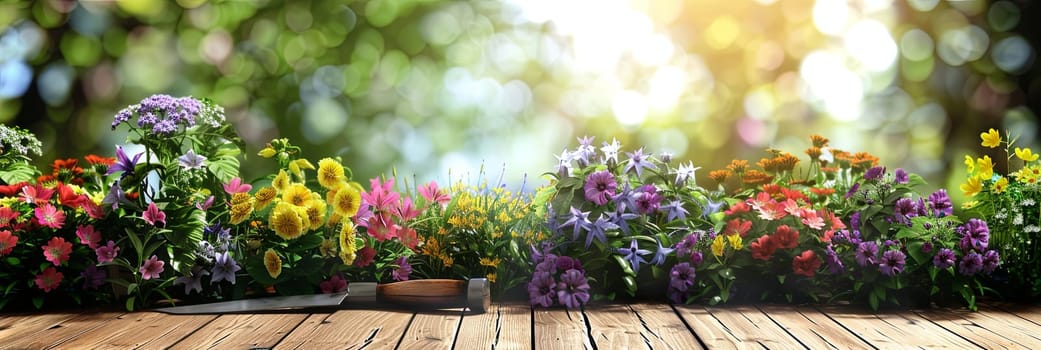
<point>541,289</point>
<point>970,264</point>
<point>404,269</point>
<point>93,278</point>
<point>991,260</point>
<point>901,176</point>
<point>941,203</point>
<point>647,199</point>
<point>573,289</point>
<point>944,258</point>
<point>867,252</point>
<point>975,235</point>
<point>600,187</point>
<point>892,263</point>
<point>682,276</point>
<point>831,258</point>
<point>874,173</point>
<point>565,263</point>
<point>687,245</point>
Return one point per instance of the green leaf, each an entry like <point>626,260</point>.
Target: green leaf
<point>873,301</point>
<point>130,303</point>
<point>17,172</point>
<point>225,163</point>
<point>780,278</point>
<point>630,285</point>
<point>13,261</point>
<point>306,242</point>
<point>38,302</point>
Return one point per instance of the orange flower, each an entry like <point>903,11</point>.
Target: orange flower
<point>99,160</point>
<point>823,192</point>
<point>756,177</point>
<point>719,176</point>
<point>738,166</point>
<point>819,141</point>
<point>814,152</point>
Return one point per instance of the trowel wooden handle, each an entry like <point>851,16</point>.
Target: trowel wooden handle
<point>438,293</point>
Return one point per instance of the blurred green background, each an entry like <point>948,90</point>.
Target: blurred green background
<point>428,86</point>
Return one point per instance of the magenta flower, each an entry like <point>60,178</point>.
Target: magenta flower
<point>600,187</point>
<point>49,279</point>
<point>681,277</point>
<point>892,263</point>
<point>49,216</point>
<point>236,186</point>
<point>541,289</point>
<point>991,260</point>
<point>335,284</point>
<point>944,259</point>
<point>151,268</point>
<point>107,253</point>
<point>404,269</point>
<point>57,251</point>
<point>573,289</point>
<point>154,216</point>
<point>204,205</point>
<point>647,199</point>
<point>975,235</point>
<point>941,203</point>
<point>432,194</point>
<point>970,264</point>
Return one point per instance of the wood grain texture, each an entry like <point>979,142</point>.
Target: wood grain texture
<point>23,325</point>
<point>896,329</point>
<point>709,329</point>
<point>149,330</point>
<point>60,332</point>
<point>663,323</point>
<point>242,331</point>
<point>349,329</point>
<point>560,329</point>
<point>750,326</point>
<point>504,326</point>
<point>432,330</point>
<point>990,327</point>
<point>812,328</point>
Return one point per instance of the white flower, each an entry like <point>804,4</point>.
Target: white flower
<point>1028,202</point>
<point>1032,229</point>
<point>685,172</point>
<point>1018,220</point>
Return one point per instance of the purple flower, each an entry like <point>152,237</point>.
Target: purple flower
<point>696,258</point>
<point>854,221</point>
<point>599,230</point>
<point>975,235</point>
<point>892,263</point>
<point>991,260</point>
<point>538,254</point>
<point>564,164</point>
<point>115,196</point>
<point>565,263</point>
<point>123,162</point>
<point>681,277</point>
<point>634,255</point>
<point>853,190</point>
<point>927,247</point>
<point>92,277</point>
<point>906,208</point>
<point>637,162</point>
<point>193,281</point>
<point>585,150</point>
<point>944,258</point>
<point>874,173</point>
<point>600,187</point>
<point>548,264</point>
<point>579,220</point>
<point>224,268</point>
<point>711,207</point>
<point>686,245</point>
<point>404,269</point>
<point>941,203</point>
<point>661,254</point>
<point>626,199</point>
<point>573,289</point>
<point>970,264</point>
<point>674,210</point>
<point>900,175</point>
<point>107,253</point>
<point>191,160</point>
<point>541,289</point>
<point>154,216</point>
<point>831,258</point>
<point>620,219</point>
<point>866,253</point>
<point>647,199</point>
<point>685,172</point>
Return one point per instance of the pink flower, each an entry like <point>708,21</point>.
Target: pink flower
<point>381,229</point>
<point>57,251</point>
<point>205,204</point>
<point>151,268</point>
<point>8,217</point>
<point>811,219</point>
<point>107,253</point>
<point>49,279</point>
<point>93,210</point>
<point>88,235</point>
<point>335,284</point>
<point>49,216</point>
<point>7,242</point>
<point>407,211</point>
<point>431,193</point>
<point>408,237</point>
<point>153,215</point>
<point>236,186</point>
<point>36,194</point>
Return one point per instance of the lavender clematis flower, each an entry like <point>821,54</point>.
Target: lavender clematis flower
<point>599,230</point>
<point>115,197</point>
<point>638,161</point>
<point>626,199</point>
<point>585,151</point>
<point>711,207</point>
<point>634,255</point>
<point>579,220</point>
<point>404,269</point>
<point>224,268</point>
<point>123,163</point>
<point>192,282</point>
<point>661,254</point>
<point>564,163</point>
<point>621,219</point>
<point>191,160</point>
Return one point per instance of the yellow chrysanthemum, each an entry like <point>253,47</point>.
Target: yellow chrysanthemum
<point>1026,154</point>
<point>346,201</point>
<point>241,207</point>
<point>316,213</point>
<point>971,187</point>
<point>330,173</point>
<point>986,168</point>
<point>287,222</point>
<point>490,262</point>
<point>297,194</point>
<point>491,277</point>
<point>970,164</point>
<point>991,138</point>
<point>735,241</point>
<point>1000,185</point>
<point>347,244</point>
<point>281,181</point>
<point>264,196</point>
<point>273,263</point>
<point>717,245</point>
<point>328,248</point>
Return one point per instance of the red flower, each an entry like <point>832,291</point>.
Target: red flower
<point>806,264</point>
<point>786,237</point>
<point>49,279</point>
<point>94,159</point>
<point>795,195</point>
<point>365,256</point>
<point>11,190</point>
<point>408,237</point>
<point>36,194</point>
<point>7,242</point>
<point>772,189</point>
<point>738,208</point>
<point>335,284</point>
<point>763,247</point>
<point>8,217</point>
<point>67,170</point>
<point>57,251</point>
<point>737,226</point>
<point>68,197</point>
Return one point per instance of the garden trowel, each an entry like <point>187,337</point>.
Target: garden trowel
<point>416,294</point>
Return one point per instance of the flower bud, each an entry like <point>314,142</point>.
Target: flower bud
<point>267,152</point>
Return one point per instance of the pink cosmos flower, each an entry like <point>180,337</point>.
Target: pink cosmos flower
<point>107,253</point>
<point>49,279</point>
<point>88,235</point>
<point>236,186</point>
<point>57,251</point>
<point>151,268</point>
<point>7,242</point>
<point>432,194</point>
<point>154,216</point>
<point>49,216</point>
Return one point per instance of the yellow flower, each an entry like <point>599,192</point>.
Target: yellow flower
<point>328,248</point>
<point>281,181</point>
<point>241,207</point>
<point>346,201</point>
<point>735,241</point>
<point>330,173</point>
<point>1000,185</point>
<point>991,138</point>
<point>491,277</point>
<point>316,213</point>
<point>1026,154</point>
<point>267,152</point>
<point>297,194</point>
<point>970,165</point>
<point>490,262</point>
<point>287,222</point>
<point>273,263</point>
<point>347,244</point>
<point>969,204</point>
<point>717,246</point>
<point>264,196</point>
<point>986,168</point>
<point>971,187</point>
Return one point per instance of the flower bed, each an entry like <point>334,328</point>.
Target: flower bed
<point>176,223</point>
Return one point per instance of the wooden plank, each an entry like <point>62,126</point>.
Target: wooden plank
<point>242,331</point>
<point>432,330</point>
<point>812,328</point>
<point>140,329</point>
<point>615,326</point>
<point>984,329</point>
<point>349,329</point>
<point>1027,312</point>
<point>751,326</point>
<point>665,324</point>
<point>896,329</point>
<point>60,332</point>
<point>558,328</point>
<point>504,326</point>
<point>24,325</point>
<point>709,329</point>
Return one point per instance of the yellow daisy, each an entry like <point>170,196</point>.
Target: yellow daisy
<point>264,196</point>
<point>1000,185</point>
<point>281,181</point>
<point>991,138</point>
<point>971,187</point>
<point>346,201</point>
<point>297,194</point>
<point>286,221</point>
<point>273,263</point>
<point>1026,154</point>
<point>316,213</point>
<point>347,244</point>
<point>330,173</point>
